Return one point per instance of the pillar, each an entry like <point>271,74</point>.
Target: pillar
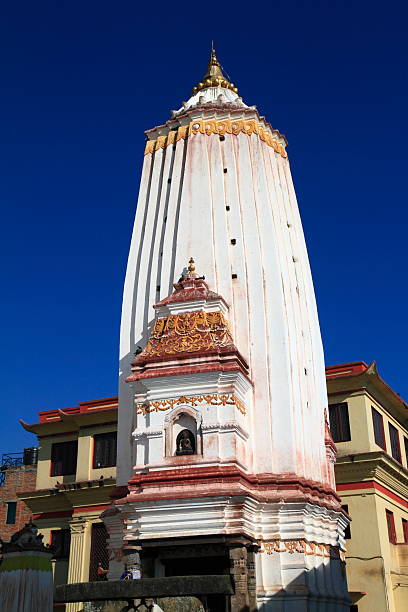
<point>78,570</point>
<point>239,573</point>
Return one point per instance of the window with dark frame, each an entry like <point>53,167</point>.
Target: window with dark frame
<point>339,422</point>
<point>395,443</point>
<point>347,531</point>
<point>64,458</point>
<point>11,513</point>
<point>61,542</point>
<point>392,537</point>
<point>406,449</point>
<point>405,530</point>
<point>378,425</point>
<point>99,557</point>
<point>105,450</point>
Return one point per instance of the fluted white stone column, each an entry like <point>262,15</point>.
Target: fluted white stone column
<point>78,569</point>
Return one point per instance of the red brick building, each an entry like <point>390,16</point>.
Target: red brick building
<point>18,473</point>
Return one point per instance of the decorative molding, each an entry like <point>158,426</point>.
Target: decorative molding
<point>226,399</point>
<point>228,426</point>
<point>147,433</point>
<point>371,466</point>
<point>78,526</point>
<point>301,546</point>
<point>188,332</point>
<point>212,126</point>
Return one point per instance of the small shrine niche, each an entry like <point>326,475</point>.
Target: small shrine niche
<point>185,443</point>
<point>183,432</point>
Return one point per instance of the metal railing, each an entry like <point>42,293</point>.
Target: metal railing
<point>9,460</point>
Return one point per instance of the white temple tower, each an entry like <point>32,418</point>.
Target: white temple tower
<point>223,443</point>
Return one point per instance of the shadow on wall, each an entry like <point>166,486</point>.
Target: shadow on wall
<point>321,589</point>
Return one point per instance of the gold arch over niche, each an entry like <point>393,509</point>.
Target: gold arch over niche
<point>212,126</point>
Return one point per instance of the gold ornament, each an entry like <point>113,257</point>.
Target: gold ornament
<point>187,333</point>
<point>214,76</point>
<point>191,265</point>
<point>301,546</point>
<point>227,399</point>
<point>227,126</point>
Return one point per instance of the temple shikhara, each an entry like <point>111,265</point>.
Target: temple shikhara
<point>225,459</point>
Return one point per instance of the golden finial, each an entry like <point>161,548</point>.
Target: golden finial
<point>214,76</point>
<point>191,266</point>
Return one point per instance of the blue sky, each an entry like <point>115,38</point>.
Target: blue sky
<point>81,81</point>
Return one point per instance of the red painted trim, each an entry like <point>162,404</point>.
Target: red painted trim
<point>80,408</point>
<point>227,480</point>
<point>351,486</point>
<point>371,484</point>
<point>353,368</point>
<point>48,515</point>
<point>391,495</point>
<point>80,509</point>
<point>178,370</point>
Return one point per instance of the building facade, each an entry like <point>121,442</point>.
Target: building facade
<point>18,472</point>
<point>371,482</point>
<point>369,426</point>
<point>76,475</point>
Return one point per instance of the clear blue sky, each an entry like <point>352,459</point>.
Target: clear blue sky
<point>81,81</point>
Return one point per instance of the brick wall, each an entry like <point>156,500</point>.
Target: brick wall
<point>18,478</point>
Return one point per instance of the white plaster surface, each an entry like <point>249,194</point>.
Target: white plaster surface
<point>272,312</point>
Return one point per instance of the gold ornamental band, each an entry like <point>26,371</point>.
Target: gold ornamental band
<point>227,399</point>
<point>301,546</point>
<point>216,127</point>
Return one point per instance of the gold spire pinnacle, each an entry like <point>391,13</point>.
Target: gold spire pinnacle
<point>214,76</point>
<point>191,266</point>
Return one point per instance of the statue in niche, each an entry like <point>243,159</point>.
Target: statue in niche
<point>185,443</point>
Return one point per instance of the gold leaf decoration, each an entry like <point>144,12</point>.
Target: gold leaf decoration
<point>301,546</point>
<point>226,399</point>
<point>212,126</point>
<point>188,333</point>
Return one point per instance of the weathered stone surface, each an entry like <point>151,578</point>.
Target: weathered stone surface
<point>166,604</point>
<point>104,606</point>
<point>180,604</point>
<point>175,586</point>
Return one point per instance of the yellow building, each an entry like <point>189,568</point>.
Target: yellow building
<point>76,474</point>
<point>368,422</point>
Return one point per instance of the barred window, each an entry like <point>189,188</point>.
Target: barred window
<point>64,458</point>
<point>378,425</point>
<point>395,443</point>
<point>105,450</point>
<point>99,558</point>
<point>339,422</point>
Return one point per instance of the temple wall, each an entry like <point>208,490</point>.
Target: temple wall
<point>182,212</point>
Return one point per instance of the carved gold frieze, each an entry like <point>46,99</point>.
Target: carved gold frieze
<point>301,546</point>
<point>188,333</point>
<point>214,399</point>
<point>212,126</point>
